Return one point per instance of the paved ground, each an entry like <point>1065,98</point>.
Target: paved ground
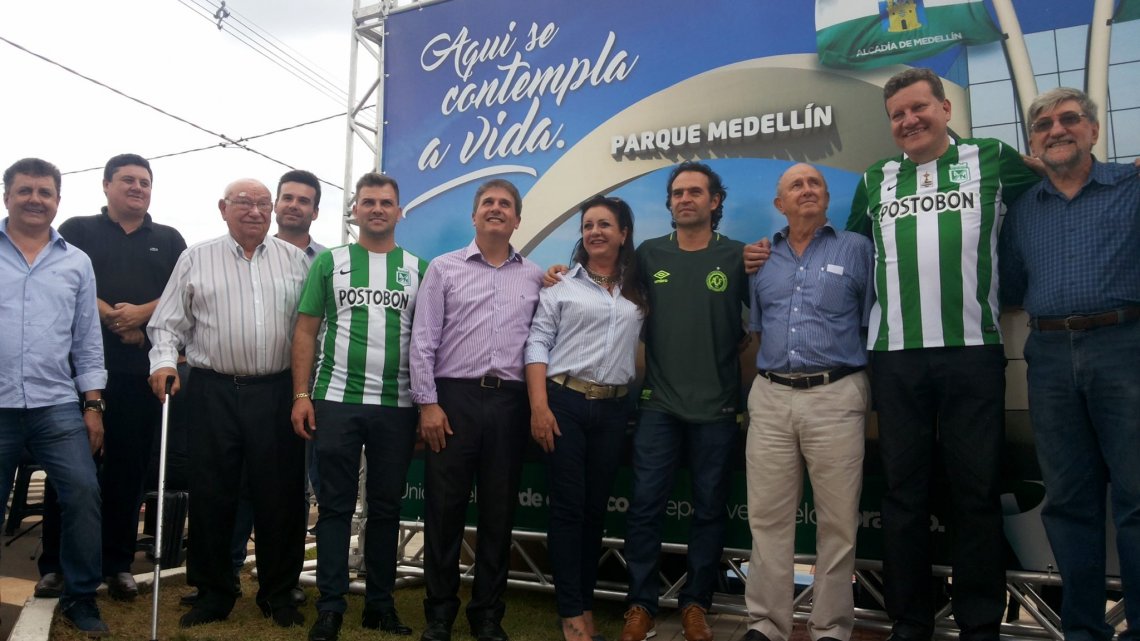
<point>19,567</point>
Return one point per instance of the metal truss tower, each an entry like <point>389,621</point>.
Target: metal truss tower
<point>365,132</point>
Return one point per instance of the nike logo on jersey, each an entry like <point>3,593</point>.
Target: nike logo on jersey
<point>345,272</point>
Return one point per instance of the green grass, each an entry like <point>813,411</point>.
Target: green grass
<point>531,616</point>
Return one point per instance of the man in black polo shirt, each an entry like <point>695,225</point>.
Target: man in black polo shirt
<point>133,258</point>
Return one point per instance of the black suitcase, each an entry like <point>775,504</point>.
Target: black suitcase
<point>173,527</point>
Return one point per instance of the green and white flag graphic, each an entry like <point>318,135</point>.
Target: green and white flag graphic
<point>1127,10</point>
<point>860,34</point>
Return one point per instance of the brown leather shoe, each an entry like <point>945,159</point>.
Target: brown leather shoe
<point>638,624</point>
<point>693,624</point>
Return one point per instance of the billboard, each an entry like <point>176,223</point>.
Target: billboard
<point>571,99</point>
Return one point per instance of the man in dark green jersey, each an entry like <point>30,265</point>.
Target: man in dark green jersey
<point>697,287</point>
<point>937,362</point>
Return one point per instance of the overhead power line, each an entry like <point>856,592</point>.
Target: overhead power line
<point>281,44</point>
<point>231,142</point>
<point>222,145</point>
<point>260,42</point>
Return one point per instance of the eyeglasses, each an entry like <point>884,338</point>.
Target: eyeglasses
<point>1067,120</point>
<point>244,204</point>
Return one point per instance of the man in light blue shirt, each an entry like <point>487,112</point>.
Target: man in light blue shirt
<point>810,305</point>
<point>49,314</point>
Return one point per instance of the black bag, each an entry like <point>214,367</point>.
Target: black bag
<point>173,526</point>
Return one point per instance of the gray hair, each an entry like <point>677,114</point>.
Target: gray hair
<point>1050,99</point>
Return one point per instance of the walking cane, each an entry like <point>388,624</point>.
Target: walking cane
<point>161,500</point>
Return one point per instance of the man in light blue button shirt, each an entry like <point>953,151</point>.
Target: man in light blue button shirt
<point>810,306</point>
<point>49,315</point>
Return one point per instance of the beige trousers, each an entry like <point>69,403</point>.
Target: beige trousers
<point>822,427</point>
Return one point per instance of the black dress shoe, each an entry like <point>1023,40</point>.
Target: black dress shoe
<point>327,627</point>
<point>436,631</point>
<point>122,586</point>
<point>200,616</point>
<point>386,620</point>
<point>50,586</point>
<point>298,597</point>
<point>488,630</point>
<point>285,616</point>
<point>756,635</point>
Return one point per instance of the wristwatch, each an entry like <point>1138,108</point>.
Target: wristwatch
<point>95,405</point>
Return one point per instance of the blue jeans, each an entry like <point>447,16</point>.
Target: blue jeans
<point>1084,403</point>
<point>57,438</point>
<point>659,443</point>
<point>387,435</point>
<point>580,474</point>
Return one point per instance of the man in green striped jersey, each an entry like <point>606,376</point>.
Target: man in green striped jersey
<point>359,298</point>
<point>937,362</point>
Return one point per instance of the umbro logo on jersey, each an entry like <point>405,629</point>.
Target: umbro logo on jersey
<point>153,249</point>
<point>661,277</point>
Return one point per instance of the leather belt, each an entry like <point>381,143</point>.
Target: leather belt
<point>1080,322</point>
<point>814,380</point>
<point>242,381</point>
<point>593,391</point>
<point>490,382</point>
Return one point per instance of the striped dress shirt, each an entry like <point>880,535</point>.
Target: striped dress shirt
<point>231,314</point>
<point>583,330</point>
<point>472,319</point>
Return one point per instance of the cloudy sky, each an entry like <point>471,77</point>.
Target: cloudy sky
<point>168,54</point>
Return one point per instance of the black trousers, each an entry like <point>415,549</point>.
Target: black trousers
<point>948,401</point>
<point>130,426</point>
<point>491,427</point>
<point>244,428</point>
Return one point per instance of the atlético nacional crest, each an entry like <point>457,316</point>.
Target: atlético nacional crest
<point>403,276</point>
<point>959,173</point>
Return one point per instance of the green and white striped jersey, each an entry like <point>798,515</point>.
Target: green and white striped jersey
<point>935,228</point>
<point>366,300</point>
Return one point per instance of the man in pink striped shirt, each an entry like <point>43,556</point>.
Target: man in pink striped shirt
<point>473,313</point>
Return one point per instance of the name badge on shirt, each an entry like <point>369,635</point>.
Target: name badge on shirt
<point>835,269</point>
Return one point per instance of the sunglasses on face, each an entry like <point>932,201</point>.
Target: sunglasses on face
<point>1068,119</point>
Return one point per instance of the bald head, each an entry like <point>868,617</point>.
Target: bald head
<point>802,196</point>
<point>247,208</point>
